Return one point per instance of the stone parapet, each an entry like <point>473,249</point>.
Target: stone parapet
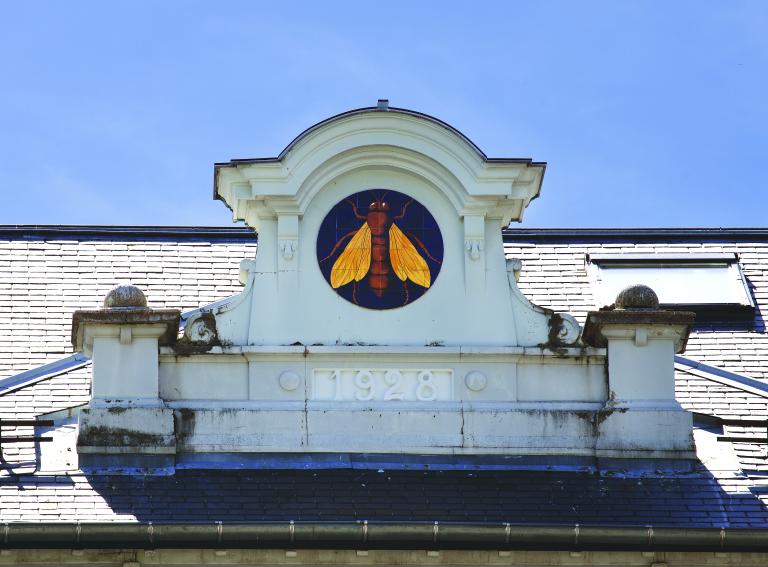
<point>642,341</point>
<point>126,415</point>
<point>335,347</point>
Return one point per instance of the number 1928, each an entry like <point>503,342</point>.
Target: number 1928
<point>382,385</point>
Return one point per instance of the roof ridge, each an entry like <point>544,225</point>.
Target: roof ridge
<point>514,234</point>
<point>510,234</point>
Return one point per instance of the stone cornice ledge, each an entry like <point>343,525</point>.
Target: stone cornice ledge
<point>167,320</point>
<point>623,324</point>
<point>431,351</point>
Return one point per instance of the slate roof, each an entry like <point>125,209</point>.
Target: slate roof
<point>704,393</point>
<point>47,273</point>
<point>70,389</point>
<point>702,396</point>
<point>554,276</point>
<point>515,496</point>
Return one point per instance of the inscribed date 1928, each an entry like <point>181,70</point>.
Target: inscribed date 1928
<point>386,385</point>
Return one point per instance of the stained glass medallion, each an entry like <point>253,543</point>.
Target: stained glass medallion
<point>380,249</point>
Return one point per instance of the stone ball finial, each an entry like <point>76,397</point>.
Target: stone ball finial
<point>637,296</point>
<point>125,297</point>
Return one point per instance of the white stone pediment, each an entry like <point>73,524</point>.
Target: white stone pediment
<point>380,315</point>
<point>471,197</point>
<point>395,139</point>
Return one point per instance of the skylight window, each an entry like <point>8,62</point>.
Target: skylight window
<point>705,283</point>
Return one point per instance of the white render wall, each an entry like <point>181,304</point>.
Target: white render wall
<point>470,302</point>
<point>470,367</point>
<point>386,399</point>
<point>494,374</point>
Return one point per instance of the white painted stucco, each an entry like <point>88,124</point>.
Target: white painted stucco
<point>471,367</point>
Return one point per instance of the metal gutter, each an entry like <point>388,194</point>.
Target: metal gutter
<point>240,233</point>
<point>379,535</point>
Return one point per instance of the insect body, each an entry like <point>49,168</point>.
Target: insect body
<point>378,248</point>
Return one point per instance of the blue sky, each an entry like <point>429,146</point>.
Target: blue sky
<point>648,113</point>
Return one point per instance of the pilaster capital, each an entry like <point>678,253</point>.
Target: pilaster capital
<point>638,325</point>
<point>125,316</point>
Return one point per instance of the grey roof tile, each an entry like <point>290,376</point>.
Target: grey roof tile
<point>304,495</point>
<point>52,278</point>
<point>738,346</point>
<point>43,281</point>
<point>40,289</point>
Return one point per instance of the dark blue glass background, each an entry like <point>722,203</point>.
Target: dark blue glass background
<point>417,222</point>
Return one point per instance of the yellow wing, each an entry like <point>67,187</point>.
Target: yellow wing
<point>355,260</point>
<point>406,261</point>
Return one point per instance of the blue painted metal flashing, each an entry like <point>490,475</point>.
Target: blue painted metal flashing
<point>374,461</point>
<point>624,468</point>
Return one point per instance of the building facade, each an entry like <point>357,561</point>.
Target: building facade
<point>392,378</point>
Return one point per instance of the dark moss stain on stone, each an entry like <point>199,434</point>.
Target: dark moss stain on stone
<point>101,436</point>
<point>604,414</point>
<point>554,342</point>
<point>186,347</point>
<point>183,423</point>
<point>596,418</point>
<point>117,411</point>
<point>588,416</point>
<point>555,323</point>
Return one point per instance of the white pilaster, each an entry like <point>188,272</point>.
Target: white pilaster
<point>641,415</point>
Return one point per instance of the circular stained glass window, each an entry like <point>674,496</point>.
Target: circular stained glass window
<point>380,249</point>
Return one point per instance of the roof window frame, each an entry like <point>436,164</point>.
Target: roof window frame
<point>705,310</point>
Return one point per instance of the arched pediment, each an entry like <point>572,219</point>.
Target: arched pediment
<point>420,162</point>
<point>379,137</point>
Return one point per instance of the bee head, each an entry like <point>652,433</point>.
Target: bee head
<point>379,206</point>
